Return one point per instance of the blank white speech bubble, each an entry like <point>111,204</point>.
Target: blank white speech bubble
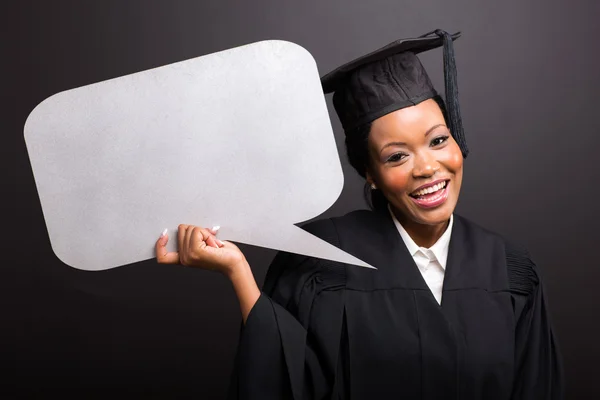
<point>239,138</point>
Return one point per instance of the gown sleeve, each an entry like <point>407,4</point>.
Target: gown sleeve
<point>276,356</point>
<point>538,363</point>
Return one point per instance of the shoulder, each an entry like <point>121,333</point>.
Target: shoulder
<point>290,274</point>
<point>296,270</point>
<point>522,272</point>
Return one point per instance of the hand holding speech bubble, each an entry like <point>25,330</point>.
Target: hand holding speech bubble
<point>239,138</point>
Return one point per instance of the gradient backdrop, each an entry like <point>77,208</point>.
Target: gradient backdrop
<point>529,75</point>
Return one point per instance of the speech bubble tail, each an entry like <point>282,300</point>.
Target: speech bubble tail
<point>296,240</point>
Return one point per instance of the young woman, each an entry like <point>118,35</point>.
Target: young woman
<point>453,311</point>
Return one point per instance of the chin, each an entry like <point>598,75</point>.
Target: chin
<point>431,216</point>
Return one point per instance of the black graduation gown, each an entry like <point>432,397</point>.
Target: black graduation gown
<point>326,330</point>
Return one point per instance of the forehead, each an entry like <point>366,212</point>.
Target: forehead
<point>408,123</point>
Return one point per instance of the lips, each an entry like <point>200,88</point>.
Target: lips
<point>431,195</point>
<point>430,188</point>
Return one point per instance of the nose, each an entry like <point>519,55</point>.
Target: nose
<point>425,165</point>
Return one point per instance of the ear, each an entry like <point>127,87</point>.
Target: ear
<point>370,180</point>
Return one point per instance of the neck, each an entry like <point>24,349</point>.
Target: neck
<point>423,235</point>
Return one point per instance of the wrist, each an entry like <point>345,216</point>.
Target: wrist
<point>238,271</point>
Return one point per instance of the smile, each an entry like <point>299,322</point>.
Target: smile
<point>431,196</point>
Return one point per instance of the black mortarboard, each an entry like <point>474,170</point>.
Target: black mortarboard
<point>392,78</point>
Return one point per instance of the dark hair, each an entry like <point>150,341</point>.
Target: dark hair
<point>357,149</point>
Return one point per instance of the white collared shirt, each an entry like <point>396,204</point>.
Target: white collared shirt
<point>431,261</point>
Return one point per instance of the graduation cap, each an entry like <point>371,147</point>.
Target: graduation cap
<point>392,78</point>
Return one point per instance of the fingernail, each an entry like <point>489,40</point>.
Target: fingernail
<point>216,227</point>
<point>220,243</point>
<point>163,233</point>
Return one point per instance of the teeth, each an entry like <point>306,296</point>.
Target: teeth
<point>430,189</point>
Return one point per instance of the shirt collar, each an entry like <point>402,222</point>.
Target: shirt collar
<point>439,249</point>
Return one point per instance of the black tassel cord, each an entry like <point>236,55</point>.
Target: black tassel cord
<point>451,87</point>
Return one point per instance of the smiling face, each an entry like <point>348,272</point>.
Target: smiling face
<point>416,163</point>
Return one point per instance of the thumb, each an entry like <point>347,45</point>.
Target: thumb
<point>162,255</point>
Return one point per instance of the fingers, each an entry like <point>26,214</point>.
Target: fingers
<point>212,241</point>
<point>206,235</point>
<point>214,231</point>
<point>181,237</point>
<point>184,233</point>
<point>200,237</point>
<point>162,255</point>
<point>227,245</point>
<point>198,247</point>
<point>189,238</point>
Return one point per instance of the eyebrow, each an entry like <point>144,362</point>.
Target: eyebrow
<point>404,144</point>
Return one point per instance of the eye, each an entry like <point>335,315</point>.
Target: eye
<point>439,140</point>
<point>396,157</point>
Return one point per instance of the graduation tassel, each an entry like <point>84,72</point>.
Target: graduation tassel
<point>451,86</point>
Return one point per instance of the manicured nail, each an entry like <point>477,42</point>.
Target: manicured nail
<point>163,233</point>
<point>216,228</point>
<point>220,243</point>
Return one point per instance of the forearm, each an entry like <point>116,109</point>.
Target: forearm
<point>245,288</point>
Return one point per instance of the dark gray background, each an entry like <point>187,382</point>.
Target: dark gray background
<point>529,80</point>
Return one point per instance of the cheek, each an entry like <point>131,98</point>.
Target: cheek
<point>453,159</point>
<point>454,165</point>
<point>395,180</point>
